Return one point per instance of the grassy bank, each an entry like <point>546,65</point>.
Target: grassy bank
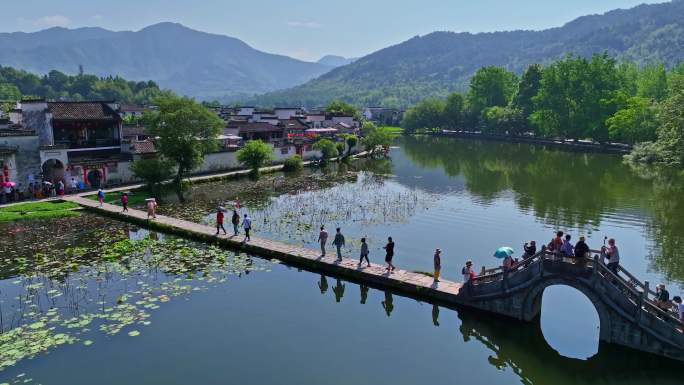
<point>393,129</point>
<point>38,210</point>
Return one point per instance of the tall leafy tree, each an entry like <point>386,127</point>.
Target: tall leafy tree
<point>635,122</point>
<point>453,110</point>
<point>528,87</point>
<point>652,82</point>
<point>489,87</point>
<point>576,96</point>
<point>428,113</point>
<point>671,130</point>
<point>185,131</point>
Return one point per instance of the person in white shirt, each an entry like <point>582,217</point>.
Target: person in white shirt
<point>680,307</point>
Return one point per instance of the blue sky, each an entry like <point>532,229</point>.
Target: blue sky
<point>306,29</point>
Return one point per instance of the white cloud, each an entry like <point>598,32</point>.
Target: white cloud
<point>52,21</point>
<point>304,24</point>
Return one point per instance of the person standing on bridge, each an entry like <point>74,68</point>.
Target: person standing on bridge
<point>235,220</point>
<point>323,239</point>
<point>613,255</point>
<point>389,254</point>
<point>247,225</point>
<point>219,221</point>
<point>581,250</point>
<point>556,243</point>
<point>437,259</point>
<point>339,243</point>
<point>124,202</point>
<point>679,306</point>
<point>364,252</point>
<point>566,248</point>
<point>151,208</point>
<point>467,271</point>
<point>662,297</point>
<point>100,196</point>
<point>530,249</point>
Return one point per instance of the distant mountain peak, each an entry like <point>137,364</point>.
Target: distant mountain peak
<point>335,60</point>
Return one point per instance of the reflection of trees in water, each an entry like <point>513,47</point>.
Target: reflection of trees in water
<point>566,190</point>
<point>667,224</point>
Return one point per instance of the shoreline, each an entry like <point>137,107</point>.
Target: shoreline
<point>566,145</point>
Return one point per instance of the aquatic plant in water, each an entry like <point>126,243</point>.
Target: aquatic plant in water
<point>66,295</point>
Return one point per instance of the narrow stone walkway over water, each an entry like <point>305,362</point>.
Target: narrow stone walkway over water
<point>627,311</point>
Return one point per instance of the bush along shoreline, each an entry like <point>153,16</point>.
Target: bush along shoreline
<point>595,103</point>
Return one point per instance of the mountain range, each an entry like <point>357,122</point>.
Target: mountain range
<point>190,62</point>
<point>442,62</point>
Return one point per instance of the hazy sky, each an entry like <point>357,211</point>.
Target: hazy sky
<point>306,29</point>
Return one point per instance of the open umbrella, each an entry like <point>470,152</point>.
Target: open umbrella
<point>9,184</point>
<point>503,252</point>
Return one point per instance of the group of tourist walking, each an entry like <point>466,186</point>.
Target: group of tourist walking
<point>235,221</point>
<point>339,242</point>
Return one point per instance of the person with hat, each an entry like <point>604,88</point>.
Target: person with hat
<point>438,264</point>
<point>467,271</point>
<point>662,297</point>
<point>582,250</point>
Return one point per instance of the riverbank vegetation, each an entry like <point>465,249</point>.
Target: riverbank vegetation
<point>38,210</point>
<point>574,98</point>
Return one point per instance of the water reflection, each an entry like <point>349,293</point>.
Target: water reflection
<point>522,348</point>
<point>338,290</point>
<point>388,303</point>
<point>562,189</point>
<point>323,284</point>
<point>364,293</point>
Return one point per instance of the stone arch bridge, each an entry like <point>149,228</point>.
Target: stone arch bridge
<point>626,307</point>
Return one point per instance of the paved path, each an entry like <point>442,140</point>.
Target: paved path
<point>413,284</point>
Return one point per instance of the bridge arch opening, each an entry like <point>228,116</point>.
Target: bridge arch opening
<point>570,322</point>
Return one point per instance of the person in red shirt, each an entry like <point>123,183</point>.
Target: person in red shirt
<point>219,222</point>
<point>556,243</point>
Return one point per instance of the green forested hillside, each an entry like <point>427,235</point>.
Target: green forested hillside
<point>441,62</point>
<point>16,84</point>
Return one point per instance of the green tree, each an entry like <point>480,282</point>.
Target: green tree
<point>528,87</point>
<point>327,148</point>
<point>635,122</point>
<point>453,111</point>
<point>293,163</point>
<point>9,92</point>
<point>380,137</point>
<point>340,107</point>
<point>352,141</point>
<point>428,113</point>
<point>671,130</point>
<point>185,132</point>
<point>489,87</point>
<point>652,82</point>
<point>255,154</point>
<point>576,97</point>
<point>153,172</point>
<point>503,120</point>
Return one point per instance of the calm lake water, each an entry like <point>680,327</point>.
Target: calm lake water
<point>175,312</point>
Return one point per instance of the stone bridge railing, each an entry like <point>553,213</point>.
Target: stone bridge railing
<point>626,306</point>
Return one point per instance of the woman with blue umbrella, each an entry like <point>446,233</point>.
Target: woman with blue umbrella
<point>505,253</point>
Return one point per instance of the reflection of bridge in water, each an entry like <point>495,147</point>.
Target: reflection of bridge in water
<point>628,314</point>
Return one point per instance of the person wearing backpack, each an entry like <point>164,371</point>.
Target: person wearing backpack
<point>235,220</point>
